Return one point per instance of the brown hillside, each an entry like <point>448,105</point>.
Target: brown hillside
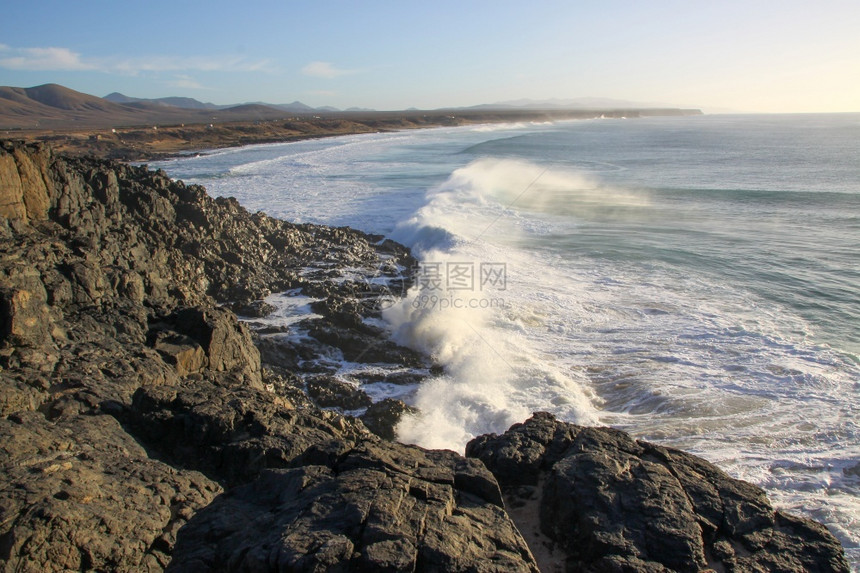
<point>57,96</point>
<point>53,106</point>
<point>16,106</point>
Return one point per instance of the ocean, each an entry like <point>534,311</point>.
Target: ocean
<point>694,281</point>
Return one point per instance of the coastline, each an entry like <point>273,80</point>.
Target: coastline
<point>115,337</point>
<point>154,142</point>
<point>345,175</point>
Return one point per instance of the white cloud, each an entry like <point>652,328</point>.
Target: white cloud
<point>325,70</point>
<point>185,82</point>
<point>64,59</point>
<point>192,63</point>
<point>42,59</point>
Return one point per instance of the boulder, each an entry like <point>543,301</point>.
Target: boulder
<point>314,491</point>
<point>382,417</point>
<point>363,345</point>
<point>11,191</point>
<point>191,338</point>
<point>608,502</point>
<point>381,507</point>
<point>24,316</point>
<point>330,392</point>
<point>235,432</point>
<point>182,351</point>
<point>254,309</point>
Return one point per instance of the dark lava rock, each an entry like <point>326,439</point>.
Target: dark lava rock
<point>287,385</point>
<point>401,378</point>
<point>382,417</point>
<point>612,503</point>
<point>140,430</point>
<point>255,309</point>
<point>110,279</point>
<point>363,346</point>
<point>381,507</point>
<point>329,392</point>
<point>342,310</point>
<point>225,344</point>
<point>81,494</point>
<point>285,353</point>
<point>322,493</point>
<point>236,432</point>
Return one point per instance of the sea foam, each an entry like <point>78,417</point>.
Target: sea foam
<point>673,277</point>
<point>494,377</point>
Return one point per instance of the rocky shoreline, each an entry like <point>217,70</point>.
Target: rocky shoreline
<point>144,427</point>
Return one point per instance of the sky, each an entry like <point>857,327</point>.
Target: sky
<point>717,55</point>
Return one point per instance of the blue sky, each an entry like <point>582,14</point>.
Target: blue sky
<point>751,55</point>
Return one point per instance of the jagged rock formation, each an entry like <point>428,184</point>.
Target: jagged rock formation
<point>608,502</point>
<point>140,429</point>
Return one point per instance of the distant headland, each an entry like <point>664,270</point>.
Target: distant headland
<point>121,127</point>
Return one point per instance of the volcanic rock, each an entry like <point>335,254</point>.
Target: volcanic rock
<point>380,507</point>
<point>612,503</point>
<point>382,417</point>
<point>328,392</point>
<point>142,429</point>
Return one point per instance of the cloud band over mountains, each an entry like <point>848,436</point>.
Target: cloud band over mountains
<point>54,58</point>
<point>326,70</point>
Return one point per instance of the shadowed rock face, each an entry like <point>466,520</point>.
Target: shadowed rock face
<point>141,430</point>
<point>612,503</point>
<point>379,507</point>
<point>129,400</point>
<point>340,498</point>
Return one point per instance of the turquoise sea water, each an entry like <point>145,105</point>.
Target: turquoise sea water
<point>695,281</point>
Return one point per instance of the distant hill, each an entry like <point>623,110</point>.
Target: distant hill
<point>251,111</point>
<point>51,101</point>
<point>54,95</point>
<point>15,102</point>
<point>295,107</point>
<point>183,102</point>
<point>52,106</point>
<point>191,103</point>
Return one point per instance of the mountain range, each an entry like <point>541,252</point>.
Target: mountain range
<point>52,106</point>
<point>191,103</point>
<point>299,107</point>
